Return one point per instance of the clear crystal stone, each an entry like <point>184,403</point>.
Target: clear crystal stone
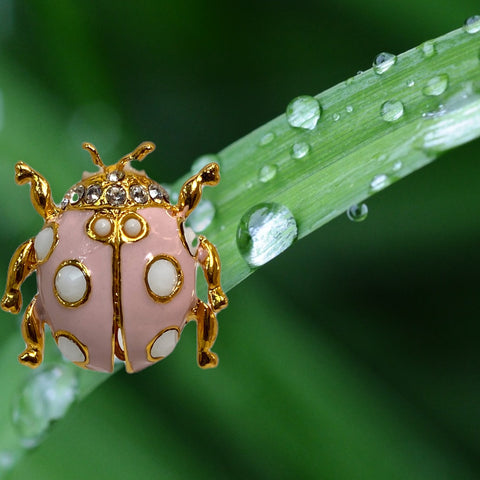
<point>138,194</point>
<point>157,192</point>
<point>115,176</point>
<point>65,201</point>
<point>116,195</point>
<point>93,193</point>
<point>76,194</point>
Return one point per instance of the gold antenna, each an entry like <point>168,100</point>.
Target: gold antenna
<point>94,153</point>
<point>139,154</point>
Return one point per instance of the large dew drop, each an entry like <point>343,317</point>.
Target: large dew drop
<point>383,62</point>
<point>436,85</point>
<point>46,398</point>
<point>303,112</point>
<point>300,150</point>
<point>357,212</point>
<point>392,110</point>
<point>264,232</point>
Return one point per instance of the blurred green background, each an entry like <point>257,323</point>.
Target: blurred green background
<point>351,356</point>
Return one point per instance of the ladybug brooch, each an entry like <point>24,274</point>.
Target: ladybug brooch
<point>116,268</point>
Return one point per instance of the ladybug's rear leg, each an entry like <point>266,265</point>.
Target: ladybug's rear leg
<point>40,192</point>
<point>33,334</point>
<point>22,264</point>
<point>207,329</point>
<point>208,258</point>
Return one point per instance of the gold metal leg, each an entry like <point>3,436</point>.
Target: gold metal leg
<point>191,192</point>
<point>22,264</point>
<point>207,329</point>
<point>208,257</point>
<point>33,334</point>
<point>40,192</point>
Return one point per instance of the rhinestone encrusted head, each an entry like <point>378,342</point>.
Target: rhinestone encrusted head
<point>116,195</point>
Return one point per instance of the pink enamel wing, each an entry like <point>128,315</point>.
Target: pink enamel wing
<point>116,268</point>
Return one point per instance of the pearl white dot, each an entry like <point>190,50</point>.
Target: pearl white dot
<point>162,277</point>
<point>132,227</point>
<point>43,243</point>
<point>70,350</point>
<point>70,283</point>
<point>164,344</point>
<point>102,227</point>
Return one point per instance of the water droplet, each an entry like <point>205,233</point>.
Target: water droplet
<point>267,172</point>
<point>410,83</point>
<point>266,139</point>
<point>436,85</point>
<point>203,160</point>
<point>397,166</point>
<point>428,48</point>
<point>357,213</point>
<point>249,184</point>
<point>202,216</point>
<point>300,150</point>
<point>303,112</point>
<point>264,232</point>
<point>392,110</point>
<point>45,398</point>
<point>472,24</point>
<point>359,72</point>
<point>383,62</point>
<point>336,117</point>
<point>379,182</point>
<point>349,108</point>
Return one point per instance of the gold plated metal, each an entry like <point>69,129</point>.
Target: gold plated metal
<point>177,286</point>
<point>83,348</point>
<point>207,330</point>
<point>191,191</point>
<point>150,357</point>
<point>22,264</point>
<point>33,334</point>
<point>94,154</point>
<point>209,260</point>
<point>86,275</point>
<point>40,192</point>
<point>144,149</point>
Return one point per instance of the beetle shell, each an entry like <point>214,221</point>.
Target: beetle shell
<point>91,324</point>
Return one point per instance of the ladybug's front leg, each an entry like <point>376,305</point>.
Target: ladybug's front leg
<point>33,334</point>
<point>22,264</point>
<point>207,329</point>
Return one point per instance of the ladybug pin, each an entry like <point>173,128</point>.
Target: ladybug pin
<point>116,268</point>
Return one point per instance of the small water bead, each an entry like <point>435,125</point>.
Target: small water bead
<point>202,216</point>
<point>45,398</point>
<point>436,85</point>
<point>203,160</point>
<point>267,173</point>
<point>349,109</point>
<point>303,112</point>
<point>383,62</point>
<point>397,166</point>
<point>472,24</point>
<point>379,182</point>
<point>336,117</point>
<point>392,110</point>
<point>300,150</point>
<point>428,48</point>
<point>266,139</point>
<point>264,232</point>
<point>410,83</point>
<point>357,213</point>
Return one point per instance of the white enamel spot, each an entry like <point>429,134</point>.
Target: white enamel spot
<point>191,237</point>
<point>164,344</point>
<point>70,350</point>
<point>102,227</point>
<point>43,243</point>
<point>71,284</point>
<point>162,277</point>
<point>132,227</point>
